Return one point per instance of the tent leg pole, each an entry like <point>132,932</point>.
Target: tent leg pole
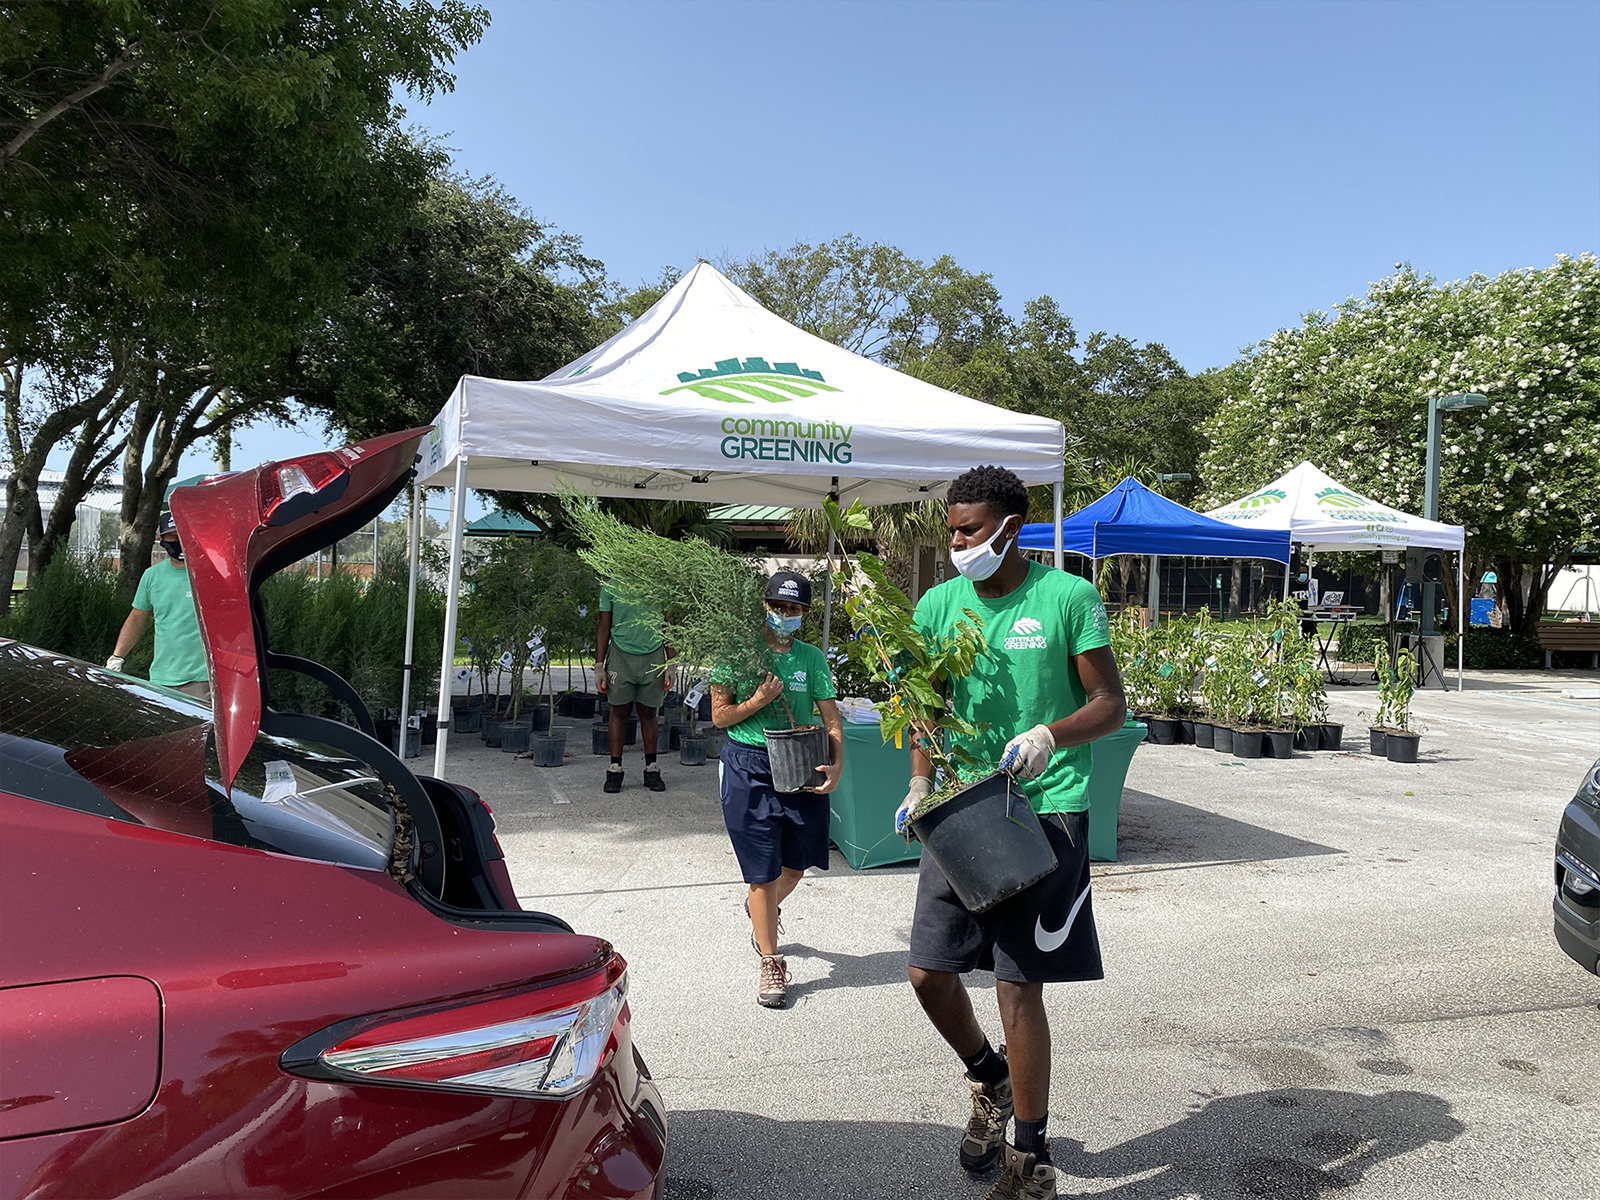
<point>827,595</point>
<point>413,553</point>
<point>1055,506</point>
<point>452,603</point>
<point>1461,619</point>
<point>1155,589</point>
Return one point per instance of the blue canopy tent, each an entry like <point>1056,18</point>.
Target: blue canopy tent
<point>1131,519</point>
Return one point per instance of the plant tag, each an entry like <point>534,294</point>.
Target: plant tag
<point>1166,670</point>
<point>505,661</point>
<point>280,782</point>
<point>463,674</point>
<point>1260,678</point>
<point>694,695</point>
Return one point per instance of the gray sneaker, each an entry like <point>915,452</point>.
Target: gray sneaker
<point>986,1129</point>
<point>1024,1177</point>
<point>773,990</point>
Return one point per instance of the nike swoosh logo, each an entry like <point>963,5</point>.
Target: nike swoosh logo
<point>1051,942</point>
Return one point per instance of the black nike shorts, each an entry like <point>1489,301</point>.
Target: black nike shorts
<point>1043,934</point>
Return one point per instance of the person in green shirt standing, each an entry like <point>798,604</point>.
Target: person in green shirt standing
<point>1046,687</point>
<point>776,835</point>
<point>630,670</point>
<point>164,594</point>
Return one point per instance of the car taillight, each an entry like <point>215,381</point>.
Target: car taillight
<point>301,485</point>
<point>548,1041</point>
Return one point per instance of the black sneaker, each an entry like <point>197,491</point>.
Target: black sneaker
<point>985,1136</point>
<point>613,778</point>
<point>652,778</point>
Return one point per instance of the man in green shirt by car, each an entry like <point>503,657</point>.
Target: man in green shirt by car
<point>165,596</point>
<point>630,670</point>
<point>1045,688</point>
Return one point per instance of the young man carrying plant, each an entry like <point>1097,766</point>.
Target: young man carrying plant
<point>630,671</point>
<point>1046,687</point>
<point>776,835</point>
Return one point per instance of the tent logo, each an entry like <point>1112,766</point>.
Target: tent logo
<point>736,382</point>
<point>1263,498</point>
<point>1337,497</point>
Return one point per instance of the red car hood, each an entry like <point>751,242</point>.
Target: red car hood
<point>239,529</point>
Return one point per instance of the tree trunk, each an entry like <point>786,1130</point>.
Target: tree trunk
<point>1235,589</point>
<point>90,458</point>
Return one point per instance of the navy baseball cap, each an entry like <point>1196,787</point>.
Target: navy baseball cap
<point>791,586</point>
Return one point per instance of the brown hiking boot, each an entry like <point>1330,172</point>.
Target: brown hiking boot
<point>773,991</point>
<point>986,1128</point>
<point>1024,1177</point>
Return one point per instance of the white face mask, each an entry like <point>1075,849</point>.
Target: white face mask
<point>977,563</point>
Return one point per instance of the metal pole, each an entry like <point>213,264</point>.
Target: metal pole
<point>1055,506</point>
<point>1430,508</point>
<point>1461,619</point>
<point>413,553</point>
<point>827,594</point>
<point>1155,589</point>
<point>452,602</point>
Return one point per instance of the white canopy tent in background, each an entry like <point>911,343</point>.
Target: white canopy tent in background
<point>1322,514</point>
<point>710,397</point>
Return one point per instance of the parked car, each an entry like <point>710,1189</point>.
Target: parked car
<point>1577,900</point>
<point>247,952</point>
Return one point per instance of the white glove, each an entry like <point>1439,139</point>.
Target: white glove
<point>114,663</point>
<point>1028,754</point>
<point>921,788</point>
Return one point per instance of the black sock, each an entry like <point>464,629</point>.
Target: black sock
<point>986,1066</point>
<point>649,760</point>
<point>616,760</point>
<point>1030,1138</point>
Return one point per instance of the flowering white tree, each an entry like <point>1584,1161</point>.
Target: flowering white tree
<point>1351,391</point>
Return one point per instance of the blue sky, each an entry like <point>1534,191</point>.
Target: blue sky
<point>1195,174</point>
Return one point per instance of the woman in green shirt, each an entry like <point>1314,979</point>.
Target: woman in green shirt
<point>776,835</point>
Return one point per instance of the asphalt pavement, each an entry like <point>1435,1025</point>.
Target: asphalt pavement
<point>1329,976</point>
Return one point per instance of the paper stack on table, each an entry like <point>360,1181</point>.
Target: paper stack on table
<point>858,711</point>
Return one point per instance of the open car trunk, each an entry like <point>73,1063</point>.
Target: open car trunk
<point>240,529</point>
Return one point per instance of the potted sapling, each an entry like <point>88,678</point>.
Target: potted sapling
<point>1286,653</point>
<point>1253,695</point>
<point>563,584</point>
<point>1401,737</point>
<point>1218,685</point>
<point>693,744</point>
<point>713,611</point>
<point>1167,684</point>
<point>976,823</point>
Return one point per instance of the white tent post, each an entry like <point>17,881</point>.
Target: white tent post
<point>452,603</point>
<point>1155,589</point>
<point>413,552</point>
<point>827,594</point>
<point>1055,507</point>
<point>1461,620</point>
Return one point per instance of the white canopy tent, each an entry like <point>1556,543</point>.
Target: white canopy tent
<point>710,397</point>
<point>1322,514</point>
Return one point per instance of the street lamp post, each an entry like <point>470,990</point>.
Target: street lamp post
<point>1430,500</point>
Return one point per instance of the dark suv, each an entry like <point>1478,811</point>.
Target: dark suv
<point>1577,901</point>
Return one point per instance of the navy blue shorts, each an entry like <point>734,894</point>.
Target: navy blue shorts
<point>770,830</point>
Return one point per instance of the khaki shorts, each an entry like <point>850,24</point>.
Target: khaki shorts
<point>636,678</point>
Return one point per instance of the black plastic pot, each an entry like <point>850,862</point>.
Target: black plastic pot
<point>680,730</point>
<point>602,708</point>
<point>492,729</point>
<point>601,731</point>
<point>564,704</point>
<point>795,755</point>
<point>514,736</point>
<point>430,727</point>
<point>547,749</point>
<point>692,750</point>
<point>670,713</point>
<point>1280,743</point>
<point>413,743</point>
<point>467,720</point>
<point>539,714</point>
<point>1247,743</point>
<point>1222,739</point>
<point>1205,734</point>
<point>1164,731</point>
<point>718,738</point>
<point>704,711</point>
<point>1379,741</point>
<point>1401,747</point>
<point>663,737</point>
<point>1185,731</point>
<point>1332,735</point>
<point>1308,737</point>
<point>987,841</point>
<point>583,705</point>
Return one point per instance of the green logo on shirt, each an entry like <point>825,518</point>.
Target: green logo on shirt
<point>1026,635</point>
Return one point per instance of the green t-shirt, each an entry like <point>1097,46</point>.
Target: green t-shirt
<point>1027,677</point>
<point>806,678</point>
<point>180,654</point>
<point>634,630</point>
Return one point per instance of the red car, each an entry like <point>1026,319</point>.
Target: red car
<point>246,952</point>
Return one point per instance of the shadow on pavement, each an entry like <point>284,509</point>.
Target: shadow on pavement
<point>849,970</point>
<point>1286,1144</point>
<point>1154,829</point>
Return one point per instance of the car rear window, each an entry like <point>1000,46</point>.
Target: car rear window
<point>79,737</point>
